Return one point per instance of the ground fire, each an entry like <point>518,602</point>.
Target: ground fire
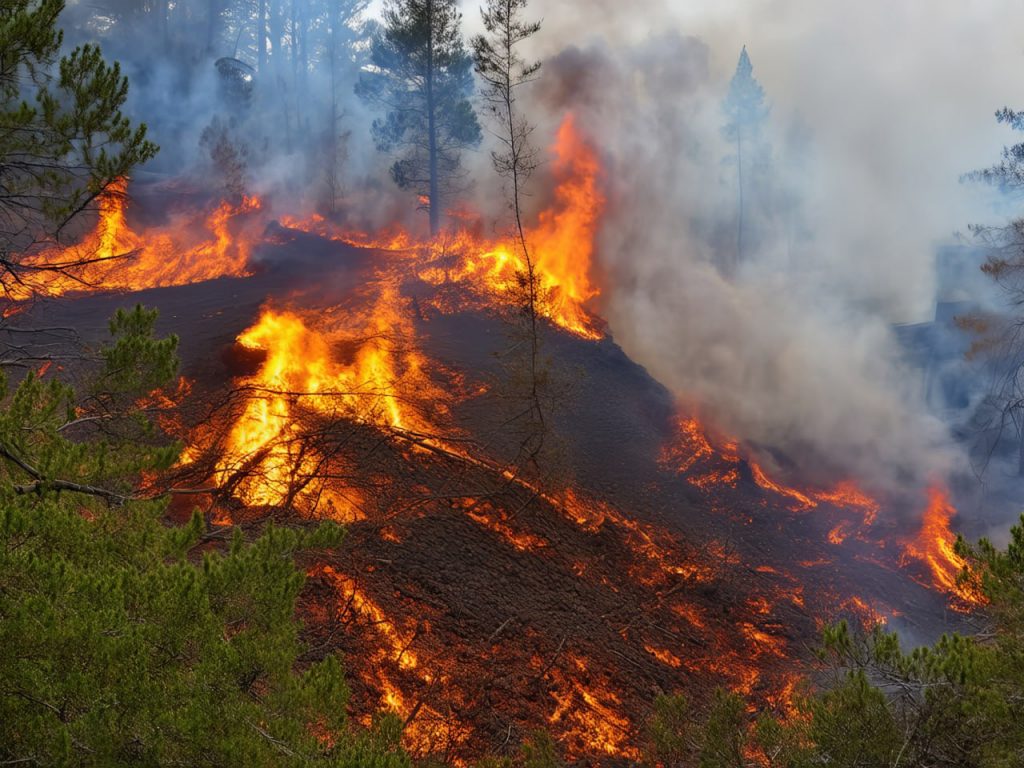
<point>341,365</point>
<point>347,411</point>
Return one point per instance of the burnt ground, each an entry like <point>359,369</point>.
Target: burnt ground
<point>478,609</point>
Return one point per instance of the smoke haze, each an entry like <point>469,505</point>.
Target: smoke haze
<point>877,110</point>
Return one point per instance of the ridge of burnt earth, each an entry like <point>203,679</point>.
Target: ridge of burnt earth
<point>518,615</point>
<point>478,609</point>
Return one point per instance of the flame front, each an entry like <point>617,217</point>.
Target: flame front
<point>935,546</point>
<point>561,243</point>
<point>266,458</point>
<point>113,257</point>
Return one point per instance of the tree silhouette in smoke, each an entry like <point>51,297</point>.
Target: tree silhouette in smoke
<point>999,339</point>
<point>745,113</point>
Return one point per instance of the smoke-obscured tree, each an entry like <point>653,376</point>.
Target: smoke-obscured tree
<point>229,156</point>
<point>422,78</point>
<point>745,112</point>
<point>999,339</point>
<point>341,51</point>
<point>504,72</point>
<point>120,644</point>
<point>65,139</point>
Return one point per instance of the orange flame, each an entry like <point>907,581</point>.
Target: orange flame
<point>561,245</point>
<point>114,257</point>
<point>564,239</point>
<point>691,452</point>
<point>264,457</point>
<point>589,717</point>
<point>935,547</point>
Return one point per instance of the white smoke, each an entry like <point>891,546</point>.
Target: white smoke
<point>795,351</point>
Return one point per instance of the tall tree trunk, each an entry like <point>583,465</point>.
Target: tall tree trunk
<point>332,124</point>
<point>277,66</point>
<point>303,37</point>
<point>212,25</point>
<point>1020,454</point>
<point>739,218</point>
<point>298,35</point>
<point>163,10</point>
<point>435,202</point>
<point>261,36</point>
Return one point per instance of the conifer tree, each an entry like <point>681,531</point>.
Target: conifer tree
<point>504,73</point>
<point>422,79</point>
<point>119,643</point>
<point>999,339</point>
<point>64,139</point>
<point>745,113</point>
<point>958,702</point>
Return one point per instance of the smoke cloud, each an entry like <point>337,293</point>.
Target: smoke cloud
<point>874,118</point>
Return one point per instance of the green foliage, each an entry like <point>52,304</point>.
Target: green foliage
<point>65,139</point>
<point>958,703</point>
<point>724,738</point>
<point>668,731</point>
<point>120,642</point>
<point>540,751</point>
<point>852,724</point>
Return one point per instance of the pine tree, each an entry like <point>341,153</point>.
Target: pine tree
<point>423,79</point>
<point>958,702</point>
<point>64,140</point>
<point>745,113</point>
<point>999,339</point>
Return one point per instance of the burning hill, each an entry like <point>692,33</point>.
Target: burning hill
<point>352,377</point>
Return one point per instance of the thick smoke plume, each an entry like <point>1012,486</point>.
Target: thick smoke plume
<point>872,125</point>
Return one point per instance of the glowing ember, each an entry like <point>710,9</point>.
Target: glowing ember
<point>692,453</point>
<point>868,616</point>
<point>847,494</point>
<point>802,501</point>
<point>664,656</point>
<point>589,717</point>
<point>690,446</point>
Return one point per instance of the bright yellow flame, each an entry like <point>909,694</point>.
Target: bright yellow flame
<point>934,546</point>
<point>561,245</point>
<point>113,257</point>
<point>266,459</point>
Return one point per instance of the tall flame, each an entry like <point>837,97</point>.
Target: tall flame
<point>561,244</point>
<point>935,547</point>
<point>563,241</point>
<point>264,454</point>
<point>114,257</point>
